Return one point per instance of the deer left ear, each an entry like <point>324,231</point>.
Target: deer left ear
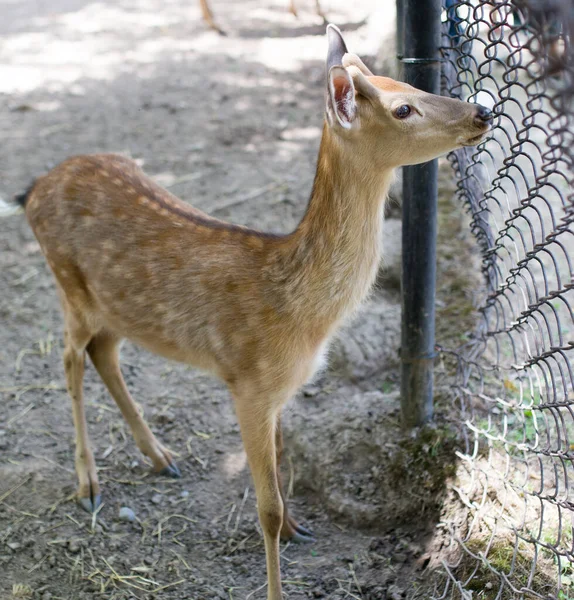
<point>341,104</point>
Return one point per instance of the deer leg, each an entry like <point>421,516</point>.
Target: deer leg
<point>320,12</point>
<point>257,421</point>
<point>290,530</point>
<point>208,17</point>
<point>103,351</point>
<point>76,337</point>
<point>293,9</point>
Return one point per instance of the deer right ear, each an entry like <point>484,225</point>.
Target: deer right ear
<point>341,104</point>
<point>337,47</point>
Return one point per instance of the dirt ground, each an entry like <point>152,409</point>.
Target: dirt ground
<point>231,124</point>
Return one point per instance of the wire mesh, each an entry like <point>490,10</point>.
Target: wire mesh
<point>515,377</point>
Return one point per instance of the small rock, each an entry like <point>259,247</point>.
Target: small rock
<point>14,546</point>
<point>156,499</point>
<point>22,108</point>
<point>395,593</point>
<point>311,390</point>
<point>184,494</point>
<point>127,514</point>
<point>488,585</point>
<point>46,596</point>
<point>74,546</point>
<point>165,417</point>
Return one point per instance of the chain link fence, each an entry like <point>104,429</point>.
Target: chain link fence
<point>515,377</point>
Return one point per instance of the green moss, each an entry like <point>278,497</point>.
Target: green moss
<point>484,575</point>
<point>424,463</point>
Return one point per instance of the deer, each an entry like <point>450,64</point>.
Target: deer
<point>207,14</point>
<point>255,309</point>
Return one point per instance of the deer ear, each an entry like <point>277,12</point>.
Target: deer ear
<point>350,60</point>
<point>337,47</point>
<point>363,86</point>
<point>341,104</point>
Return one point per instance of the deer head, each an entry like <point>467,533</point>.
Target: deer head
<point>392,122</point>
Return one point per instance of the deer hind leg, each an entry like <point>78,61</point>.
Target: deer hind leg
<point>76,337</point>
<point>290,530</point>
<point>103,351</point>
<point>257,420</point>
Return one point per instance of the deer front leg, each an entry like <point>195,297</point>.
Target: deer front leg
<point>257,421</point>
<point>291,530</point>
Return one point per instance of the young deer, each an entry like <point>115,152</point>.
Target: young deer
<point>256,309</point>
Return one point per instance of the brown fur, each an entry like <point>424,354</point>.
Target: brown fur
<point>386,84</point>
<point>257,310</point>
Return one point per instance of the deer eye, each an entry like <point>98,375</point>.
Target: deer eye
<point>402,112</point>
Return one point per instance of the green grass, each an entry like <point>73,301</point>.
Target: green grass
<point>515,563</point>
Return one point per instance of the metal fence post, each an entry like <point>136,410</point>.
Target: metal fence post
<point>421,63</point>
<point>400,4</point>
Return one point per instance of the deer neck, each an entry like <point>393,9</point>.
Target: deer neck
<point>335,251</point>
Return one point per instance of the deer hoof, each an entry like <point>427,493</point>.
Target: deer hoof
<point>171,470</point>
<point>301,538</point>
<point>304,531</point>
<point>293,532</point>
<point>90,505</point>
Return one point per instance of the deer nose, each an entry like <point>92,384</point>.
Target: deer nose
<point>483,115</point>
